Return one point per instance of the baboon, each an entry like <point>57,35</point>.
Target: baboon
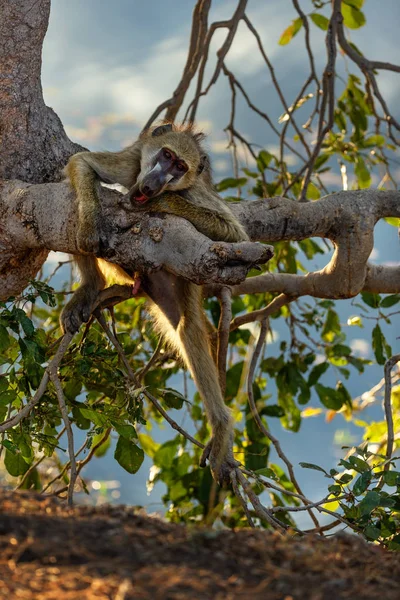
<point>165,170</point>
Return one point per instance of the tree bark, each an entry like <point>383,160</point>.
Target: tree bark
<point>33,144</point>
<point>37,218</point>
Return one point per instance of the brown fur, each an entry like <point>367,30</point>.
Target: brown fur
<point>176,305</point>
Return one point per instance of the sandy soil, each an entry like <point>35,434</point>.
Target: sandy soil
<point>50,552</point>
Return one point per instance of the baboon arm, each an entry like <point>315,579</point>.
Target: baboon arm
<point>111,167</point>
<point>213,224</point>
<point>84,170</point>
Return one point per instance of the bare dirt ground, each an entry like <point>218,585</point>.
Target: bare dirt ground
<point>50,552</point>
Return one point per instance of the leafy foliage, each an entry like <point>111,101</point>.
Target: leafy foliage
<point>306,376</point>
<point>367,494</point>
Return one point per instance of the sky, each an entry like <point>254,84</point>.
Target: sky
<point>107,65</point>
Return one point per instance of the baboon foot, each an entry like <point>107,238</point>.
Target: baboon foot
<point>77,311</point>
<point>221,463</point>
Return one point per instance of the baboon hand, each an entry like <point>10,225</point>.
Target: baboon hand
<point>77,311</point>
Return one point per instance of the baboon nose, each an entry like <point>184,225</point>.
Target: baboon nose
<point>146,190</point>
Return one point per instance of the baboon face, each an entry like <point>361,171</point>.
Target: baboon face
<point>171,160</point>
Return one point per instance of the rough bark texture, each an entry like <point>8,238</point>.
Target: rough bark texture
<point>38,218</point>
<point>347,219</point>
<point>33,143</point>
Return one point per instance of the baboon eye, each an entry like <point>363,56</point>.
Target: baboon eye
<point>181,167</point>
<point>167,154</point>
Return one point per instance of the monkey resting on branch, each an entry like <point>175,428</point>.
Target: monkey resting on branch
<point>165,170</point>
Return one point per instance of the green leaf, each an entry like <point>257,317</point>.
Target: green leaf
<point>344,394</point>
<point>321,160</point>
<point>391,478</point>
<point>320,21</point>
<point>367,504</point>
<point>335,489</point>
<point>362,483</point>
<point>15,463</point>
<point>331,326</point>
<point>377,344</point>
<point>358,464</point>
<point>290,32</point>
<point>316,373</point>
<point>267,472</point>
<point>231,182</point>
<point>125,430</point>
<point>344,478</point>
<point>329,397</point>
<point>394,221</point>
<point>374,140</point>
<point>7,397</point>
<point>313,192</point>
<point>166,453</point>
<point>362,173</point>
<point>27,325</point>
<point>128,455</point>
<point>272,410</point>
<point>390,300</point>
<point>312,466</point>
<point>99,419</point>
<point>3,384</point>
<point>102,449</point>
<point>352,16</point>
<point>263,159</point>
<point>372,533</point>
<point>5,339</point>
<point>354,3</point>
<point>172,398</point>
<point>372,300</point>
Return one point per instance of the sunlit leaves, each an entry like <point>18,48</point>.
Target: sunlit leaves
<point>353,17</point>
<point>299,103</point>
<point>320,21</point>
<point>362,483</point>
<point>231,182</point>
<point>290,32</point>
<point>362,173</point>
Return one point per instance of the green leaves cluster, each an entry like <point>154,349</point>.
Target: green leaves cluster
<point>353,18</point>
<point>367,495</point>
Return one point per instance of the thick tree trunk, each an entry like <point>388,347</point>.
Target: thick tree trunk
<point>33,143</point>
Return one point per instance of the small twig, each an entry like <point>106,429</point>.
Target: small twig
<point>390,363</point>
<point>323,528</point>
<point>232,26</point>
<point>24,412</point>
<point>260,510</point>
<point>153,359</point>
<point>131,375</point>
<point>257,418</point>
<point>242,500</point>
<point>70,436</point>
<point>37,463</point>
<point>223,334</point>
<point>326,500</point>
<point>195,53</point>
<point>263,313</point>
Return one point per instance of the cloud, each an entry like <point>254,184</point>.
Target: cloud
<point>361,347</point>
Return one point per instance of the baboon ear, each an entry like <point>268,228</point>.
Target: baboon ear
<point>204,164</point>
<point>162,129</point>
